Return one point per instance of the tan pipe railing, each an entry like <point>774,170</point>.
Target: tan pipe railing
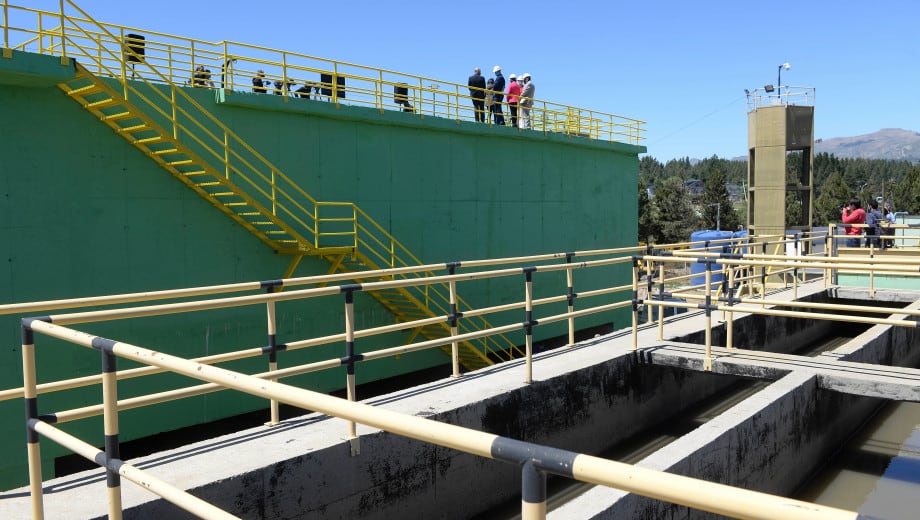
<point>727,303</point>
<point>687,491</point>
<point>900,266</point>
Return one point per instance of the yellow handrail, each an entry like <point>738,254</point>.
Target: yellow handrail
<point>235,64</point>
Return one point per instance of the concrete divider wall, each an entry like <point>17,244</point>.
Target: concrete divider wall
<point>771,442</point>
<point>585,410</point>
<point>770,333</point>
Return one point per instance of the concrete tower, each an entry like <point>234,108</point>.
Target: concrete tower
<point>780,123</point>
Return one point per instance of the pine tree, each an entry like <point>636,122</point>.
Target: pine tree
<point>907,194</point>
<point>716,205</point>
<point>834,195</point>
<point>649,228</point>
<point>676,216</point>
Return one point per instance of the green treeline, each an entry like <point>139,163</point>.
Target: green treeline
<point>674,210</point>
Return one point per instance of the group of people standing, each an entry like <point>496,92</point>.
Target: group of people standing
<point>202,77</point>
<point>492,94</point>
<point>853,213</point>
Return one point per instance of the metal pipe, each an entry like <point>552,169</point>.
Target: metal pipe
<point>186,501</point>
<point>528,327</point>
<point>33,447</point>
<point>274,414</point>
<point>110,429</point>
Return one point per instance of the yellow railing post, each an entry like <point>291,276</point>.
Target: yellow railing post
<point>454,329</point>
<point>335,83</point>
<point>41,32</point>
<point>6,31</point>
<point>226,156</point>
<point>570,282</point>
<point>110,427</point>
<point>635,305</point>
<point>350,363</point>
<point>528,319</point>
<point>284,77</point>
<point>729,322</point>
<point>274,194</point>
<point>316,224</point>
<point>457,102</point>
<point>871,271</point>
<point>63,37</point>
<point>392,253</point>
<point>661,307</point>
<point>355,227</point>
<point>272,356</point>
<point>30,393</point>
<point>650,278</point>
<point>707,363</point>
<point>193,66</point>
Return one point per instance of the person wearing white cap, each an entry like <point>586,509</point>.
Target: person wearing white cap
<point>526,99</point>
<point>498,93</point>
<point>514,90</point>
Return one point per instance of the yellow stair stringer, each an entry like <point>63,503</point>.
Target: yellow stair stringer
<point>471,357</point>
<point>144,134</point>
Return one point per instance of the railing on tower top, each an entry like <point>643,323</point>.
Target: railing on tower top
<point>770,96</point>
<point>233,65</point>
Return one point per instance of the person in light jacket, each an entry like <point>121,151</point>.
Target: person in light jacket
<point>526,99</point>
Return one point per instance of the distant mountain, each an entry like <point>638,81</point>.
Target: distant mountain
<point>887,143</point>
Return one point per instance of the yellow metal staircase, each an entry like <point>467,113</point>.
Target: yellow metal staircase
<point>96,96</point>
<point>172,129</point>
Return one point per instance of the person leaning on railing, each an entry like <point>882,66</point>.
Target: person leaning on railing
<point>889,219</point>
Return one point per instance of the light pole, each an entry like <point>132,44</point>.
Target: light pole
<point>779,77</point>
<point>718,215</point>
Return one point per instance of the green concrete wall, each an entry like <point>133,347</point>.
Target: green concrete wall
<point>85,213</point>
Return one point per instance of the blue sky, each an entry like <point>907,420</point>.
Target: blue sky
<point>680,66</point>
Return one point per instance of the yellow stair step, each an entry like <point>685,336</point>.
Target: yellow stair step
<point>81,91</point>
<point>117,116</point>
<point>102,103</point>
<point>129,129</point>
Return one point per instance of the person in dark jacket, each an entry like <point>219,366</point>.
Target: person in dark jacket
<point>498,94</point>
<point>477,85</point>
<point>259,83</point>
<point>874,219</point>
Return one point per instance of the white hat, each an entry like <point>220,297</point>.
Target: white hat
<point>496,68</point>
<point>512,76</point>
<point>526,75</point>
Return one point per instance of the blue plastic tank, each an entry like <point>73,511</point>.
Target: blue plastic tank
<point>705,237</point>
